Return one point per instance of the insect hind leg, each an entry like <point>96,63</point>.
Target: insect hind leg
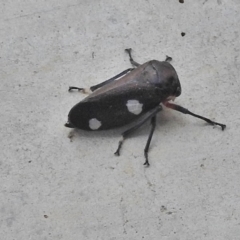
<point>186,111</point>
<point>129,51</point>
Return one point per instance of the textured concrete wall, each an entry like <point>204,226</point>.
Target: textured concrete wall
<point>52,188</point>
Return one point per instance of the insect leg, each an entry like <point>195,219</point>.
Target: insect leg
<point>129,51</point>
<point>185,111</point>
<point>153,123</point>
<point>150,115</point>
<point>95,87</point>
<point>77,88</point>
<point>168,59</point>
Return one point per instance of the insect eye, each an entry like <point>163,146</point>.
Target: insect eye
<point>178,91</point>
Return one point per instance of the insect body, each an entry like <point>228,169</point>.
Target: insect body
<point>133,95</point>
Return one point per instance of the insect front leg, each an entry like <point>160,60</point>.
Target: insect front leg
<point>150,115</point>
<point>186,111</point>
<point>129,51</point>
<point>168,59</point>
<point>95,87</point>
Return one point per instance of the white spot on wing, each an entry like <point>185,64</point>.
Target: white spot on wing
<point>94,124</point>
<point>134,106</point>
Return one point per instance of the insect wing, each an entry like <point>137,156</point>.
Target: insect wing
<point>116,107</point>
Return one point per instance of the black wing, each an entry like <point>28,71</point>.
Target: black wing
<point>115,107</point>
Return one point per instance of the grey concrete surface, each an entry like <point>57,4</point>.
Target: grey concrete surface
<point>52,188</point>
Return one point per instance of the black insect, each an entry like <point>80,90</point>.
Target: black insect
<point>134,94</point>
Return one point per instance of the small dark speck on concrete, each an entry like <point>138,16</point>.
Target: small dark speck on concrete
<point>183,34</point>
<point>46,216</point>
<point>181,1</point>
<point>29,161</point>
<point>202,165</point>
<point>39,16</point>
<point>93,54</point>
<point>163,208</point>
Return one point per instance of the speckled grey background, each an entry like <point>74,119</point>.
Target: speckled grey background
<point>52,188</point>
